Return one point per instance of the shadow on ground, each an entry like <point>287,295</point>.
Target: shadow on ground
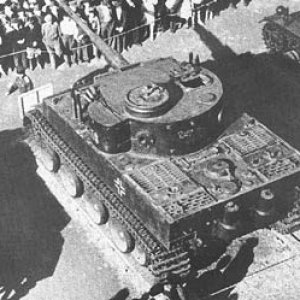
<point>31,220</point>
<point>218,283</point>
<point>265,86</point>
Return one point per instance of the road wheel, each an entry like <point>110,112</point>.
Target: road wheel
<point>71,182</point>
<point>50,160</point>
<point>97,212</point>
<point>121,237</point>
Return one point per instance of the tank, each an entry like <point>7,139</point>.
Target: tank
<point>281,31</point>
<point>145,146</point>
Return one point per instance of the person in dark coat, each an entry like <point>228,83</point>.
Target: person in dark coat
<point>3,61</point>
<point>120,24</point>
<point>18,42</point>
<point>136,17</point>
<point>94,24</point>
<point>37,11</point>
<point>83,45</point>
<point>34,43</point>
<point>22,82</point>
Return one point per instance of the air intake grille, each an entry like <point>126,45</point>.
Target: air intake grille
<point>158,176</point>
<point>280,167</point>
<point>188,203</point>
<point>249,140</point>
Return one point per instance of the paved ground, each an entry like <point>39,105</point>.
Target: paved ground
<point>44,253</point>
<point>47,255</point>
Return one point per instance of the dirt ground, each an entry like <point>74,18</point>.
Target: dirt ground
<point>40,242</point>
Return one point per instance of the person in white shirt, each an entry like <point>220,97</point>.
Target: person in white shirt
<point>105,16</point>
<point>199,11</point>
<point>173,8</point>
<point>185,12</point>
<point>69,33</point>
<point>149,12</point>
<point>52,39</point>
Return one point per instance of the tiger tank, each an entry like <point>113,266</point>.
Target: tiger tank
<point>144,145</point>
<point>281,32</point>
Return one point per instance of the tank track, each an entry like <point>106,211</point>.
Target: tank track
<point>278,39</point>
<point>291,222</point>
<point>162,261</point>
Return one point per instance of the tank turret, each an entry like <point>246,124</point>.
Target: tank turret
<point>147,108</point>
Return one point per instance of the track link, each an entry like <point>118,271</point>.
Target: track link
<point>162,261</point>
<point>291,222</point>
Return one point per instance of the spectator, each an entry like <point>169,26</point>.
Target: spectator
<point>22,82</point>
<point>3,61</point>
<point>185,13</point>
<point>77,8</point>
<point>93,21</point>
<point>136,19</point>
<point>31,4</point>
<point>21,16</point>
<point>199,11</point>
<point>55,11</point>
<point>69,33</point>
<point>30,25</point>
<point>18,42</point>
<point>149,12</point>
<point>105,17</point>
<point>46,6</point>
<point>172,9</point>
<point>94,24</point>
<point>7,45</point>
<point>26,5</point>
<point>234,3</point>
<point>120,20</point>
<point>161,15</point>
<point>51,39</point>
<point>8,11</point>
<point>86,6</point>
<point>83,43</point>
<point>37,11</point>
<point>34,43</point>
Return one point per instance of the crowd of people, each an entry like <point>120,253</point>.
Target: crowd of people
<point>35,32</point>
